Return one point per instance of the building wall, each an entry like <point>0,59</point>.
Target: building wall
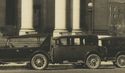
<point>47,16</point>
<point>2,12</point>
<point>117,17</point>
<point>109,17</point>
<point>84,21</point>
<point>44,16</point>
<point>101,15</point>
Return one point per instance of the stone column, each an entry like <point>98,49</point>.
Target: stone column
<point>76,16</point>
<point>26,17</point>
<point>60,17</point>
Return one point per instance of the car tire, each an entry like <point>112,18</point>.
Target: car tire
<point>93,61</point>
<point>39,61</point>
<point>120,61</point>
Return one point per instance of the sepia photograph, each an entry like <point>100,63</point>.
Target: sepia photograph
<point>62,36</point>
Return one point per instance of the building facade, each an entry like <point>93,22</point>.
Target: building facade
<point>20,17</point>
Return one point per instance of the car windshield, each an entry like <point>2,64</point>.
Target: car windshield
<point>61,41</point>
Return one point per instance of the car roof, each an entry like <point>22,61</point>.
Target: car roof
<point>27,36</point>
<point>113,37</point>
<point>46,35</point>
<point>69,36</point>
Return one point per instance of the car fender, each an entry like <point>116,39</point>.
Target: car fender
<point>40,51</point>
<point>119,53</point>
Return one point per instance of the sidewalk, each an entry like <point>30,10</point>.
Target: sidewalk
<point>50,65</point>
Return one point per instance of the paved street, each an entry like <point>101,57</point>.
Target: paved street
<point>104,68</point>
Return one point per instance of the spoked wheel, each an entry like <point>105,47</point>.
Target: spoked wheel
<point>39,61</point>
<point>93,61</point>
<point>120,61</point>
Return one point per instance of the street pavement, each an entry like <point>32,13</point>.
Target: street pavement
<point>63,68</point>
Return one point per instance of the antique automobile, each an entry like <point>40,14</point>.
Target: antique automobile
<point>39,51</point>
<point>77,48</point>
<point>114,48</point>
<point>27,48</point>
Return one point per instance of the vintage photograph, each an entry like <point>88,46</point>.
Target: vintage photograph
<point>62,36</point>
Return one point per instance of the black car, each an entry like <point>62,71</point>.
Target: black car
<point>27,48</point>
<point>114,48</point>
<point>77,48</point>
<point>38,51</point>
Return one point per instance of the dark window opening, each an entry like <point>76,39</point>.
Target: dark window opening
<point>11,12</point>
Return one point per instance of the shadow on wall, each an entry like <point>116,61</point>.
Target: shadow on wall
<point>8,31</point>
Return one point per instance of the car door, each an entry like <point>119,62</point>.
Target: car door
<point>78,47</point>
<point>7,51</point>
<point>75,48</point>
<point>63,50</point>
<point>10,52</point>
<point>113,47</point>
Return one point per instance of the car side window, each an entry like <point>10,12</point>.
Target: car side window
<point>63,41</point>
<point>76,41</point>
<point>56,41</point>
<point>91,41</point>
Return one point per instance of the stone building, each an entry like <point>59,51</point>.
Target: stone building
<point>19,17</point>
